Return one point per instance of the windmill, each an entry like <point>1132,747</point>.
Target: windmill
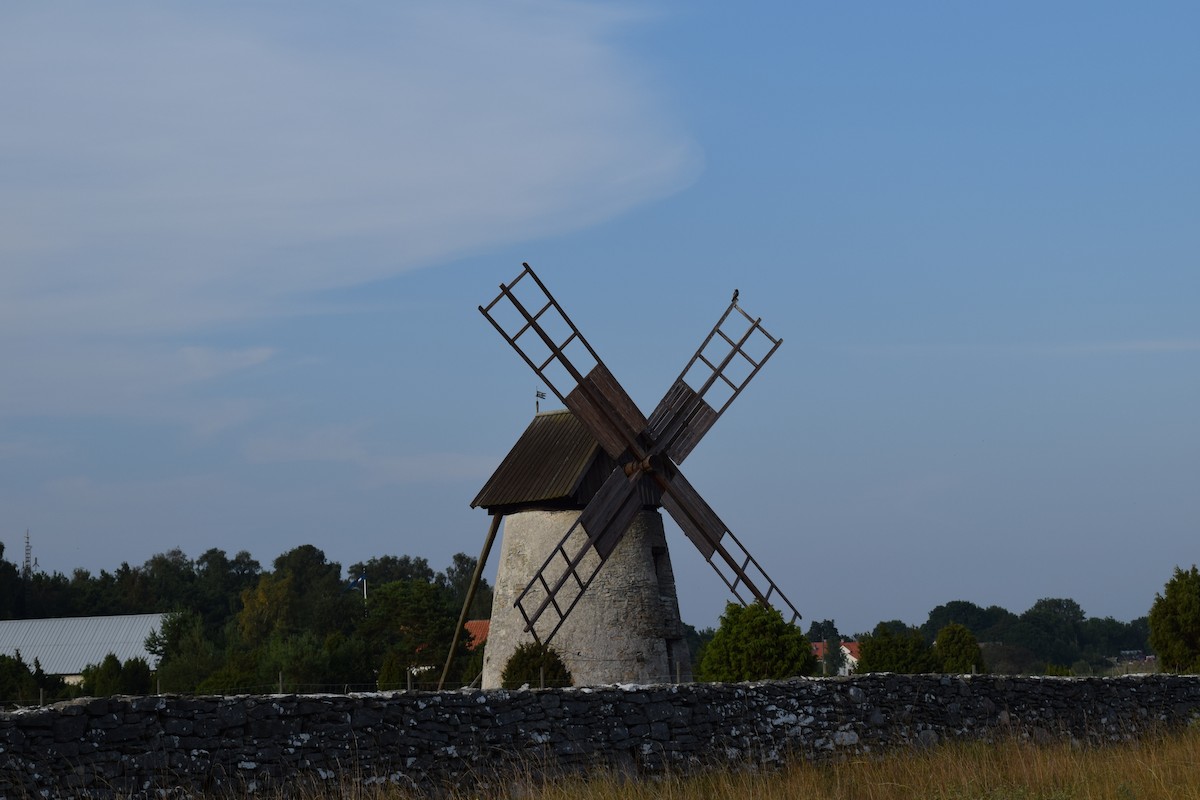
<point>638,460</point>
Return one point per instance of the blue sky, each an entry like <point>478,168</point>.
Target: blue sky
<point>242,246</point>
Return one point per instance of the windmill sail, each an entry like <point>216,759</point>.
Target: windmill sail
<point>535,325</point>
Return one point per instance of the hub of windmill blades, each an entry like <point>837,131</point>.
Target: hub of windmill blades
<point>633,467</point>
<point>648,450</point>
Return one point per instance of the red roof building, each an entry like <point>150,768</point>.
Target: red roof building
<point>849,650</point>
<point>477,632</point>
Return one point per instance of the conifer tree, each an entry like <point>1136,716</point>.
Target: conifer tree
<point>1175,623</point>
<point>754,643</point>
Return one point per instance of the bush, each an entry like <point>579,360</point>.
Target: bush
<point>135,677</point>
<point>103,680</point>
<point>958,650</point>
<point>393,672</point>
<point>754,643</point>
<point>535,664</point>
<point>17,684</point>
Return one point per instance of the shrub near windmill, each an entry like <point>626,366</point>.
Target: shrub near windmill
<point>584,558</point>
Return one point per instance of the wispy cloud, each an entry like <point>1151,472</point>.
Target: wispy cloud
<point>31,451</point>
<point>103,377</point>
<point>1137,346</point>
<point>345,445</point>
<point>171,167</point>
<point>1131,347</point>
<point>204,363</point>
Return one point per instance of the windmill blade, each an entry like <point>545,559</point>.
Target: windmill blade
<point>574,562</point>
<point>744,576</point>
<point>721,368</point>
<point>536,326</point>
<point>608,412</point>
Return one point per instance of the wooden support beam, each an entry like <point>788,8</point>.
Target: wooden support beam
<point>475,578</point>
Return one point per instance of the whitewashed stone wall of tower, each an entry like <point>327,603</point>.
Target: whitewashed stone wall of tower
<point>626,628</point>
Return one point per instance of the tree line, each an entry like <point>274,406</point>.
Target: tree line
<point>236,626</point>
<point>1054,637</point>
<point>302,625</point>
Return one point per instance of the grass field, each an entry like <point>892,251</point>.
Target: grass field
<point>1154,768</point>
<point>1165,768</point>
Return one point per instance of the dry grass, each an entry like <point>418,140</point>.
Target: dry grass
<point>1154,768</point>
<point>1158,769</point>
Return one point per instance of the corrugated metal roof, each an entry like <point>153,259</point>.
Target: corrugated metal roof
<point>546,464</point>
<point>65,645</point>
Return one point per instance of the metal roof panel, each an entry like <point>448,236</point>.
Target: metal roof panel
<point>65,645</point>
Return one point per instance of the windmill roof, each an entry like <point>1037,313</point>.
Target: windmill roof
<point>65,645</point>
<point>555,464</point>
<point>547,463</point>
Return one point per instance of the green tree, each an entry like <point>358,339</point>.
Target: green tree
<point>388,569</point>
<point>132,593</point>
<point>265,608</point>
<point>171,580</point>
<point>1007,659</point>
<point>303,594</point>
<point>51,686</point>
<point>238,674</point>
<point>104,679</point>
<point>135,677</point>
<point>349,659</point>
<point>185,655</point>
<point>92,593</point>
<point>456,579</point>
<point>1175,623</point>
<point>957,650</point>
<point>315,600</point>
<point>537,665</point>
<point>12,589</point>
<point>294,621</point>
<point>893,647</point>
<point>50,595</point>
<point>822,631</point>
<point>1103,639</point>
<point>1051,629</point>
<point>219,584</point>
<point>754,643</point>
<point>988,624</point>
<point>834,658</point>
<point>471,667</point>
<point>410,623</point>
<point>17,683</point>
<point>394,672</point>
<point>826,632</point>
<point>300,658</point>
<point>697,642</point>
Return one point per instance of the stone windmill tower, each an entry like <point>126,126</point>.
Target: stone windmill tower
<point>584,559</point>
<point>627,629</point>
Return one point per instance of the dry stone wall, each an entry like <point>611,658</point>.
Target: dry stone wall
<point>148,746</point>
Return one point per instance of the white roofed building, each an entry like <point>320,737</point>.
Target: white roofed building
<point>64,646</point>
